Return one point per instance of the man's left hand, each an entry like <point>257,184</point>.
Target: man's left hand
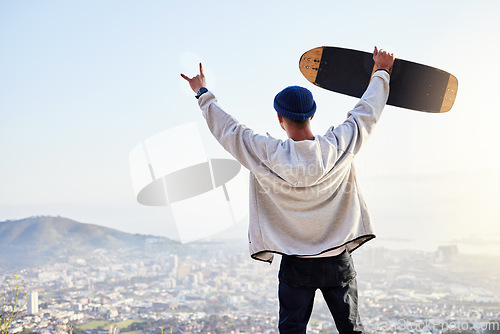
<point>198,81</point>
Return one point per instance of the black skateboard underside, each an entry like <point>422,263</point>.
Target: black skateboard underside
<point>412,85</point>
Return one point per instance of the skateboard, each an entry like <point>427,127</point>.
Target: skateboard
<point>412,86</point>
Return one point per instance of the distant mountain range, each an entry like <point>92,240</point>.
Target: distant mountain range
<point>36,240</point>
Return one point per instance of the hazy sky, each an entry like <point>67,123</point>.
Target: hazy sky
<point>83,82</point>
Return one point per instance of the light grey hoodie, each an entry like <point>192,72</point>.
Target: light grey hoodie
<point>304,195</point>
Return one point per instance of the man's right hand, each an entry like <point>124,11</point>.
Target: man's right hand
<point>383,59</point>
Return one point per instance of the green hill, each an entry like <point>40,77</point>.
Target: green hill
<point>36,240</point>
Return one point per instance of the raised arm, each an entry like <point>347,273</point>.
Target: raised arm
<point>356,129</point>
<point>241,142</point>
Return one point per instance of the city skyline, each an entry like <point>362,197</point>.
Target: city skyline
<point>200,288</point>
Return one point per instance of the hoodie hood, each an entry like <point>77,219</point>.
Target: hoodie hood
<point>303,163</point>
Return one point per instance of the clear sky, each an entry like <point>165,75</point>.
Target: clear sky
<point>83,82</point>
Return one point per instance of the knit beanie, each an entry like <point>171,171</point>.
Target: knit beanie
<point>295,103</point>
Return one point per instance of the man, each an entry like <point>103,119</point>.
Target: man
<point>305,202</point>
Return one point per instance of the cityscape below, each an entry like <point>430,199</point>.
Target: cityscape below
<point>215,287</point>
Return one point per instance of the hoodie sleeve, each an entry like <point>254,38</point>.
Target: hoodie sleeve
<point>357,128</point>
<point>240,141</point>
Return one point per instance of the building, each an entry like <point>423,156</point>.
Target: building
<point>447,253</point>
<point>33,303</point>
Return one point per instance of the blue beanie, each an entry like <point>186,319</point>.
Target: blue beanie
<point>295,103</point>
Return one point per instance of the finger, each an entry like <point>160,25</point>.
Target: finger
<point>185,77</point>
<point>201,70</point>
<point>375,52</point>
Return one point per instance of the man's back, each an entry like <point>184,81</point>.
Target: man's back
<point>304,197</point>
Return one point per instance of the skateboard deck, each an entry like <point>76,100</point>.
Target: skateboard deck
<point>412,85</point>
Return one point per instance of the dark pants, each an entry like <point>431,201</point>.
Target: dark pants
<point>334,276</point>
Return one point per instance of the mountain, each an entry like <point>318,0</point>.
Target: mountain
<point>36,240</point>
